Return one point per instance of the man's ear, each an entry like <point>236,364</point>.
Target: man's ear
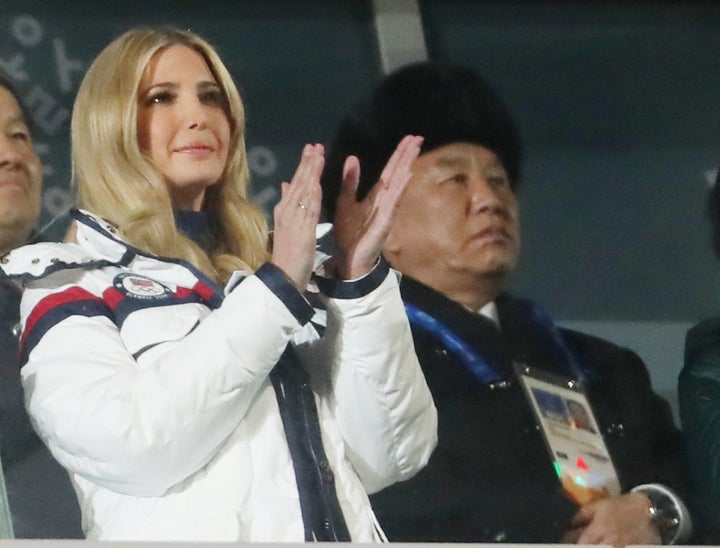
<point>391,248</point>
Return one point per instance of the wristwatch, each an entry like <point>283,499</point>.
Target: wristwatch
<point>664,517</point>
<point>667,513</point>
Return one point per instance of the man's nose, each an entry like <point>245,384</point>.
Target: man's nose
<point>10,153</point>
<point>484,195</point>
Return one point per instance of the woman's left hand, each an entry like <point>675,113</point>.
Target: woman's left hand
<point>296,217</point>
<point>361,227</point>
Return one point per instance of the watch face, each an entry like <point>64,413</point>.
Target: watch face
<point>664,516</point>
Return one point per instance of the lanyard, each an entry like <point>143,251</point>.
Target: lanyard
<point>474,362</point>
<point>477,364</point>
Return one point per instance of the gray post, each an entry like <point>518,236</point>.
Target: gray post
<point>400,35</point>
<point>6,528</point>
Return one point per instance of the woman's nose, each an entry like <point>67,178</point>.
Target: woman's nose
<point>197,116</point>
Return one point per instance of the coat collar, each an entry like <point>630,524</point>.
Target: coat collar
<point>100,244</point>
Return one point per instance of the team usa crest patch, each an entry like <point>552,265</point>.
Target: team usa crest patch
<point>140,287</point>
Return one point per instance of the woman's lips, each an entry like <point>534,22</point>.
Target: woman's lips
<point>194,149</point>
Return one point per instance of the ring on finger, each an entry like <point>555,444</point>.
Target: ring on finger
<point>303,205</point>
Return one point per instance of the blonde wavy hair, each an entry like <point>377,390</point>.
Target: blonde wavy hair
<point>117,181</point>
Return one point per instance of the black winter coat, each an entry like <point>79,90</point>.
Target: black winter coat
<point>42,501</point>
<point>491,478</point>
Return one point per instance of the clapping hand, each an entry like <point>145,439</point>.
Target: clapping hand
<point>296,216</point>
<point>361,227</point>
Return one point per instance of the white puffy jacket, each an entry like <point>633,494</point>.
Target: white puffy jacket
<point>151,386</point>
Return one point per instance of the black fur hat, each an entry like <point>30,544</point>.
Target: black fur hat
<point>442,103</point>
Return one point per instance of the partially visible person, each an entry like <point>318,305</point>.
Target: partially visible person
<point>699,398</point>
<point>456,240</point>
<point>21,181</point>
<point>42,503</point>
<point>197,385</point>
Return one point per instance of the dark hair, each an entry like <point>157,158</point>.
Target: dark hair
<point>443,103</point>
<point>9,84</point>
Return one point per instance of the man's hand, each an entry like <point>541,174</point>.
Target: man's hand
<point>362,227</point>
<point>618,521</point>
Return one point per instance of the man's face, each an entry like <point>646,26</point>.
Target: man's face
<point>457,221</point>
<point>20,174</point>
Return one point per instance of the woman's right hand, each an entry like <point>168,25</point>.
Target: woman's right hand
<point>296,216</point>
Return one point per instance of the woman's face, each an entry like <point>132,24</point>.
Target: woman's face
<point>182,124</point>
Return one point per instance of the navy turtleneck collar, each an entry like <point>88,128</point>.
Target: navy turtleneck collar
<point>196,226</point>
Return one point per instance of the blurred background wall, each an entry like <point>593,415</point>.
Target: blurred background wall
<point>618,104</point>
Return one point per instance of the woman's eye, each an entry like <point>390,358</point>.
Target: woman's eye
<point>160,97</point>
<point>21,136</point>
<point>212,97</point>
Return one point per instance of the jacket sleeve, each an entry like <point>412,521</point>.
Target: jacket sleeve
<point>381,400</point>
<point>699,396</point>
<point>135,429</point>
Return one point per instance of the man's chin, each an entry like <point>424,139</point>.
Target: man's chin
<point>17,218</point>
<point>500,267</point>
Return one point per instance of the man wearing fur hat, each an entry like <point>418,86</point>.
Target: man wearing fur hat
<point>456,238</point>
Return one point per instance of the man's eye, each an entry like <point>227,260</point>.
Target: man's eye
<point>497,180</point>
<point>21,136</point>
<point>459,178</point>
<point>456,179</point>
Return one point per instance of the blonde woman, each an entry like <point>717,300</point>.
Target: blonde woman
<point>172,364</point>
